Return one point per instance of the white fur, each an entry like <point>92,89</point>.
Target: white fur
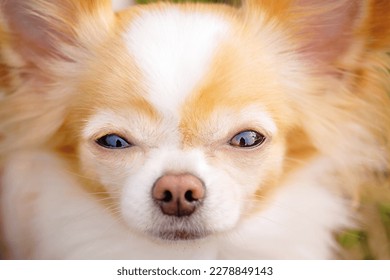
<point>298,223</point>
<point>78,228</point>
<point>174,49</point>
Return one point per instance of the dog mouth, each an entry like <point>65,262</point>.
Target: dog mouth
<point>179,229</point>
<point>181,235</point>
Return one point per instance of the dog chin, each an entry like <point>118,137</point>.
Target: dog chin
<point>181,235</point>
<point>179,229</point>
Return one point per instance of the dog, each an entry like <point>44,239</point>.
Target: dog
<point>192,131</point>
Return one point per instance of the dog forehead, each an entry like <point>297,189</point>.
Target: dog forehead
<point>174,47</point>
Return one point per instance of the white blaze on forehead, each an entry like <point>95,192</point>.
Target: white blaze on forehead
<point>174,50</point>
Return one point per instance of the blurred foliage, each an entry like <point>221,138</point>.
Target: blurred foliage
<point>357,241</point>
<point>385,216</point>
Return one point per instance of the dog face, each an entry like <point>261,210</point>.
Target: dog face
<point>188,117</point>
<point>186,137</point>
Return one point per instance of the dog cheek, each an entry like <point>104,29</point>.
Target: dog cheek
<point>223,204</point>
<point>136,202</point>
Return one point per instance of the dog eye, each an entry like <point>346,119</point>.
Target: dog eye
<point>113,141</point>
<point>247,139</point>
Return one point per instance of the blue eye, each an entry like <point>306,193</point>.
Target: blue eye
<point>247,139</point>
<point>113,141</point>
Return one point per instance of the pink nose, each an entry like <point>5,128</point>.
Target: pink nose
<point>178,195</point>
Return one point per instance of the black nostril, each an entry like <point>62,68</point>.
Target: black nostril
<point>167,196</point>
<point>189,196</point>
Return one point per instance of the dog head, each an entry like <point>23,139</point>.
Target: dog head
<point>187,116</point>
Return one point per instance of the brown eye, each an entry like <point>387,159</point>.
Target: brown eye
<point>247,139</point>
<point>113,141</point>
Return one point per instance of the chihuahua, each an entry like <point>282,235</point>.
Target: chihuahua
<point>192,131</point>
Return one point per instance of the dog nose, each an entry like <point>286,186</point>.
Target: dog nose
<point>178,195</point>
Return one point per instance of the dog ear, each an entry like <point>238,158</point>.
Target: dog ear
<point>43,47</point>
<point>33,30</point>
<point>326,31</point>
